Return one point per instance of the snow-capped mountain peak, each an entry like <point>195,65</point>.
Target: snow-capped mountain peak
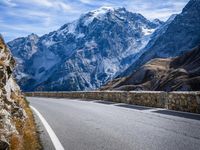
<point>102,10</point>
<point>83,54</point>
<point>98,14</point>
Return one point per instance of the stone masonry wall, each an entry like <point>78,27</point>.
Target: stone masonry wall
<point>182,101</point>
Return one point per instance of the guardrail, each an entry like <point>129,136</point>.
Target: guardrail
<point>183,101</point>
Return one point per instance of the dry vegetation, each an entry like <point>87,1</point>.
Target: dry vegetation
<point>171,74</point>
<point>27,139</point>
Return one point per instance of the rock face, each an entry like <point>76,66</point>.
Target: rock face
<point>84,54</point>
<point>8,107</point>
<point>172,74</point>
<point>180,34</point>
<point>12,105</point>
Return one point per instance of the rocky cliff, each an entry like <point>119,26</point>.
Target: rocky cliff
<point>172,74</point>
<point>16,120</point>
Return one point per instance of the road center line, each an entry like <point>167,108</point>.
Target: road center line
<point>54,138</point>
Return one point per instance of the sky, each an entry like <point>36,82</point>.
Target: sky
<point>20,18</point>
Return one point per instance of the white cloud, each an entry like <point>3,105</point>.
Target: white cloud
<point>21,17</point>
<point>155,9</point>
<point>8,3</point>
<point>53,4</point>
<point>46,3</point>
<point>86,1</point>
<point>63,6</point>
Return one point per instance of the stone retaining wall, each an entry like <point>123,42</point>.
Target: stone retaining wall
<point>183,101</point>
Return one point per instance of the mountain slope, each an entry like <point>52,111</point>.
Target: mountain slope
<point>172,74</point>
<point>179,36</point>
<point>84,54</point>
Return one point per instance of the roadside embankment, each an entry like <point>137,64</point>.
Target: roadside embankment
<point>17,127</point>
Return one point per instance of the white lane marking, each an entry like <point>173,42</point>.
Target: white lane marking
<point>54,138</point>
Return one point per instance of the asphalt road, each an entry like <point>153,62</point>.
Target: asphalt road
<point>99,125</point>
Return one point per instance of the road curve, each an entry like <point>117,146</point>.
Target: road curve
<point>99,125</point>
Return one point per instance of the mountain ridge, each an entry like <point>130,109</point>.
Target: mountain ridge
<point>76,56</point>
<point>181,35</point>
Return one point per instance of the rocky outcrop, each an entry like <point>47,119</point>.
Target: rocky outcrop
<point>172,74</point>
<point>12,104</point>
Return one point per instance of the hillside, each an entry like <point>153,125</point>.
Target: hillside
<point>173,74</point>
<point>180,34</point>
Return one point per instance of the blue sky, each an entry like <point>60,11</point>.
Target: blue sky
<point>22,17</point>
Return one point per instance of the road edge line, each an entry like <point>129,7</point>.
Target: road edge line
<point>57,144</point>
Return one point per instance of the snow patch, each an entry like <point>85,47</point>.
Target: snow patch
<point>101,11</point>
<point>91,44</point>
<point>147,31</point>
<point>48,43</point>
<point>72,27</point>
<point>80,35</point>
<point>98,13</point>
